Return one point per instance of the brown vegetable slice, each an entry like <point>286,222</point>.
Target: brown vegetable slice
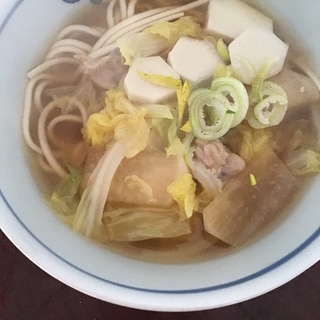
<point>242,209</point>
<point>301,90</point>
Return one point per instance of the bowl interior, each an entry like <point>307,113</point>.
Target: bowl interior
<point>285,251</point>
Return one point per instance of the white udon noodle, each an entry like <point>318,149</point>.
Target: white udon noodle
<point>71,50</point>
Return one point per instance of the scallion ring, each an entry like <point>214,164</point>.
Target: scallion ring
<point>208,114</point>
<point>237,95</point>
<point>271,110</point>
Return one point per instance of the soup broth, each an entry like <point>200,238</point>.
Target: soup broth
<point>154,131</point>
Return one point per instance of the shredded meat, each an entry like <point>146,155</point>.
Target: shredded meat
<point>213,155</point>
<point>214,165</point>
<point>105,73</point>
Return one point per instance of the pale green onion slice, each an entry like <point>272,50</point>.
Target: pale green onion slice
<point>208,114</point>
<point>271,110</point>
<point>258,83</point>
<point>237,95</point>
<point>270,88</point>
<point>222,50</point>
<point>253,180</point>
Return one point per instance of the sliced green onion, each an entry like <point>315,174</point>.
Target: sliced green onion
<point>237,95</point>
<point>258,82</point>
<point>222,50</point>
<point>270,88</point>
<point>208,114</point>
<point>271,110</point>
<point>223,71</point>
<point>253,180</point>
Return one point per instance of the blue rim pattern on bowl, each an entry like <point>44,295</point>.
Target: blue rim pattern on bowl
<point>250,277</point>
<point>239,281</point>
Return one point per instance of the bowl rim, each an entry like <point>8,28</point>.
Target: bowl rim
<point>265,280</point>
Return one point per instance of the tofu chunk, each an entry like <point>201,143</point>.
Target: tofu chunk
<point>230,18</point>
<point>253,50</point>
<point>194,60</point>
<point>143,91</point>
<point>156,170</point>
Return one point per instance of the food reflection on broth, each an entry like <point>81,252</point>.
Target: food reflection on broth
<point>172,133</point>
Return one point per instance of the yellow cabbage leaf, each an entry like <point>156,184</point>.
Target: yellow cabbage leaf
<point>137,224</point>
<point>183,90</point>
<point>187,127</point>
<point>175,148</point>
<point>98,127</point>
<point>172,31</point>
<point>253,141</point>
<point>142,44</point>
<point>133,131</point>
<point>120,120</point>
<point>133,182</point>
<point>303,161</point>
<point>116,102</point>
<point>183,192</point>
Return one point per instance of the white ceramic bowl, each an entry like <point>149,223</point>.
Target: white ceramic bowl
<point>26,28</point>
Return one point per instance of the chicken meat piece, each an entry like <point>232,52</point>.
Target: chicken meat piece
<point>214,165</point>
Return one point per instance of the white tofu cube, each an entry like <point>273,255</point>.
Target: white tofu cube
<point>143,91</point>
<point>195,60</point>
<point>230,18</point>
<point>253,50</point>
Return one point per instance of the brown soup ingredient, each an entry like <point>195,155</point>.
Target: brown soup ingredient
<point>242,209</point>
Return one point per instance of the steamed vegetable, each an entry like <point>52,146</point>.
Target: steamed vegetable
<point>64,198</point>
<point>155,171</point>
<point>130,136</point>
<point>237,95</point>
<point>270,109</point>
<point>183,192</point>
<point>242,209</point>
<point>182,89</point>
<point>173,31</point>
<point>300,89</point>
<point>136,224</point>
<point>253,141</point>
<point>232,17</point>
<point>142,44</point>
<point>142,91</point>
<point>181,121</point>
<point>222,50</point>
<point>170,131</point>
<point>195,60</point>
<point>208,114</point>
<point>212,112</point>
<point>252,49</point>
<point>303,161</point>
